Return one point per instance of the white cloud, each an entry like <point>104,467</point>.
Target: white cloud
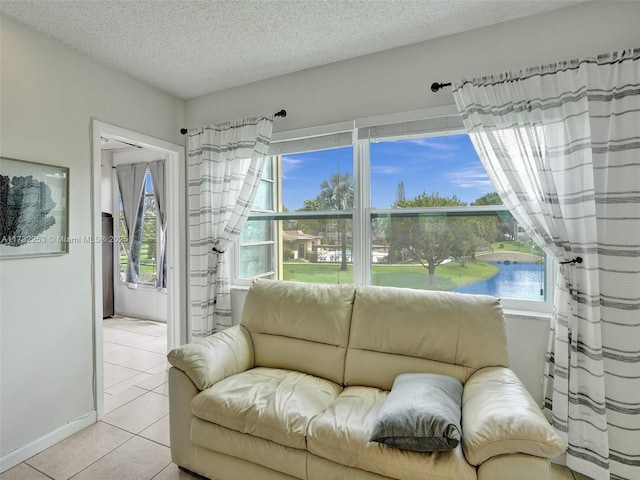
<point>475,178</point>
<point>289,165</point>
<point>387,170</point>
<point>434,143</point>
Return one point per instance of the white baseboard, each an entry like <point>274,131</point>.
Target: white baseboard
<point>21,454</point>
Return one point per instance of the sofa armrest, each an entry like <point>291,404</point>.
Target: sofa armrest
<point>213,358</point>
<point>499,417</point>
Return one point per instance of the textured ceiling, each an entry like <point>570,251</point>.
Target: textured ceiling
<point>192,47</point>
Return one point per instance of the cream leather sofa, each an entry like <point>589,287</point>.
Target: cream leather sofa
<point>292,392</point>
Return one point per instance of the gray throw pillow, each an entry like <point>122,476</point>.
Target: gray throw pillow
<point>421,413</point>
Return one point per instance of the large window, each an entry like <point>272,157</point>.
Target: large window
<point>416,212</point>
<point>149,234</point>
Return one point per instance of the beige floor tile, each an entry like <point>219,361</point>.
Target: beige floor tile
<point>70,456</point>
<point>132,339</point>
<point>140,413</point>
<point>145,327</point>
<point>136,459</point>
<point>129,382</point>
<point>116,321</point>
<point>162,389</point>
<point>124,354</point>
<point>153,344</point>
<point>145,361</point>
<point>114,374</point>
<point>25,472</point>
<point>160,368</point>
<point>111,402</point>
<point>158,432</point>
<point>114,335</point>
<point>154,381</point>
<point>110,347</point>
<point>172,472</point>
<point>559,472</point>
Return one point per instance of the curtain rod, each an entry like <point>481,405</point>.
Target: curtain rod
<point>435,86</point>
<point>281,113</point>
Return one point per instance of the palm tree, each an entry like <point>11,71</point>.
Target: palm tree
<point>337,194</point>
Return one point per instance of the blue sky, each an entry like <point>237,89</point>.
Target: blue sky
<point>446,165</point>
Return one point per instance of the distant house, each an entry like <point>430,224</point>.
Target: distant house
<point>299,242</point>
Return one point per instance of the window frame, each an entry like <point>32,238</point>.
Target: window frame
<point>362,213</point>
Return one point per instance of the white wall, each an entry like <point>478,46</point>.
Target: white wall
<point>48,96</point>
<point>398,81</point>
<point>145,301</point>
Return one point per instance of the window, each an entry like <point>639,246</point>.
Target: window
<point>413,210</point>
<point>302,227</point>
<point>148,267</point>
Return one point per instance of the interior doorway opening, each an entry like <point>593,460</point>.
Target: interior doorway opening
<point>114,146</point>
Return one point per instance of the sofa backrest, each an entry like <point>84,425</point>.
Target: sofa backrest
<point>398,330</point>
<point>299,326</point>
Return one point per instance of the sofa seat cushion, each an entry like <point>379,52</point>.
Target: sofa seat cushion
<point>341,434</point>
<point>269,403</point>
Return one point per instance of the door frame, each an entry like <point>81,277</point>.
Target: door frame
<point>176,327</point>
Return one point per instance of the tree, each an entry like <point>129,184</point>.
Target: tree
<point>337,194</point>
<point>400,197</point>
<point>311,227</point>
<point>427,239</point>
<point>506,223</point>
<point>489,199</point>
<point>432,239</point>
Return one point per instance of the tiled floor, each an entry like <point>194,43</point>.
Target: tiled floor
<point>131,442</point>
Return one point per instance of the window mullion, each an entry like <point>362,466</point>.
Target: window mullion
<point>361,222</point>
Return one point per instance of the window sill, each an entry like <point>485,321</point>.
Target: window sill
<point>527,315</point>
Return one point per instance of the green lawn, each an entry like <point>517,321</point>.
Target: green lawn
<point>448,276</point>
<point>514,246</point>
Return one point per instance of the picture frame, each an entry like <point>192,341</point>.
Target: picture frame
<point>34,209</point>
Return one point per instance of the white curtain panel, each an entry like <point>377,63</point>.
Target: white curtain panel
<point>225,164</point>
<point>131,183</point>
<point>561,144</point>
<point>157,170</point>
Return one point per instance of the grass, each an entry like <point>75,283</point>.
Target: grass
<point>513,246</point>
<point>448,276</point>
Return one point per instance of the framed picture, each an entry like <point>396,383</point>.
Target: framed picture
<point>34,209</point>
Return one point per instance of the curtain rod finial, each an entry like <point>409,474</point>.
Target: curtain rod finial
<point>281,113</point>
<point>435,86</point>
<point>183,131</point>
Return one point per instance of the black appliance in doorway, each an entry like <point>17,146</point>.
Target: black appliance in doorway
<point>107,265</point>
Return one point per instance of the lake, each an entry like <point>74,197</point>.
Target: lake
<point>515,280</point>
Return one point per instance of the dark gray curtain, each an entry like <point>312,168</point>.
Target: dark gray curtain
<point>157,169</point>
<point>131,182</point>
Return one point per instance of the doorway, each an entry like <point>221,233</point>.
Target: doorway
<point>172,304</point>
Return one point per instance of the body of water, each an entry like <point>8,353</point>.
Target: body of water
<point>515,280</point>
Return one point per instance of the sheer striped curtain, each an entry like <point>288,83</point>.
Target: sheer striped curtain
<point>561,144</point>
<point>157,170</point>
<point>131,183</point>
<point>225,164</point>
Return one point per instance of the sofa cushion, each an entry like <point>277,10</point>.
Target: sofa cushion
<point>269,403</point>
<point>272,455</point>
<point>432,332</point>
<point>341,434</point>
<point>421,413</point>
<point>294,324</point>
<point>212,358</point>
<point>500,417</point>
